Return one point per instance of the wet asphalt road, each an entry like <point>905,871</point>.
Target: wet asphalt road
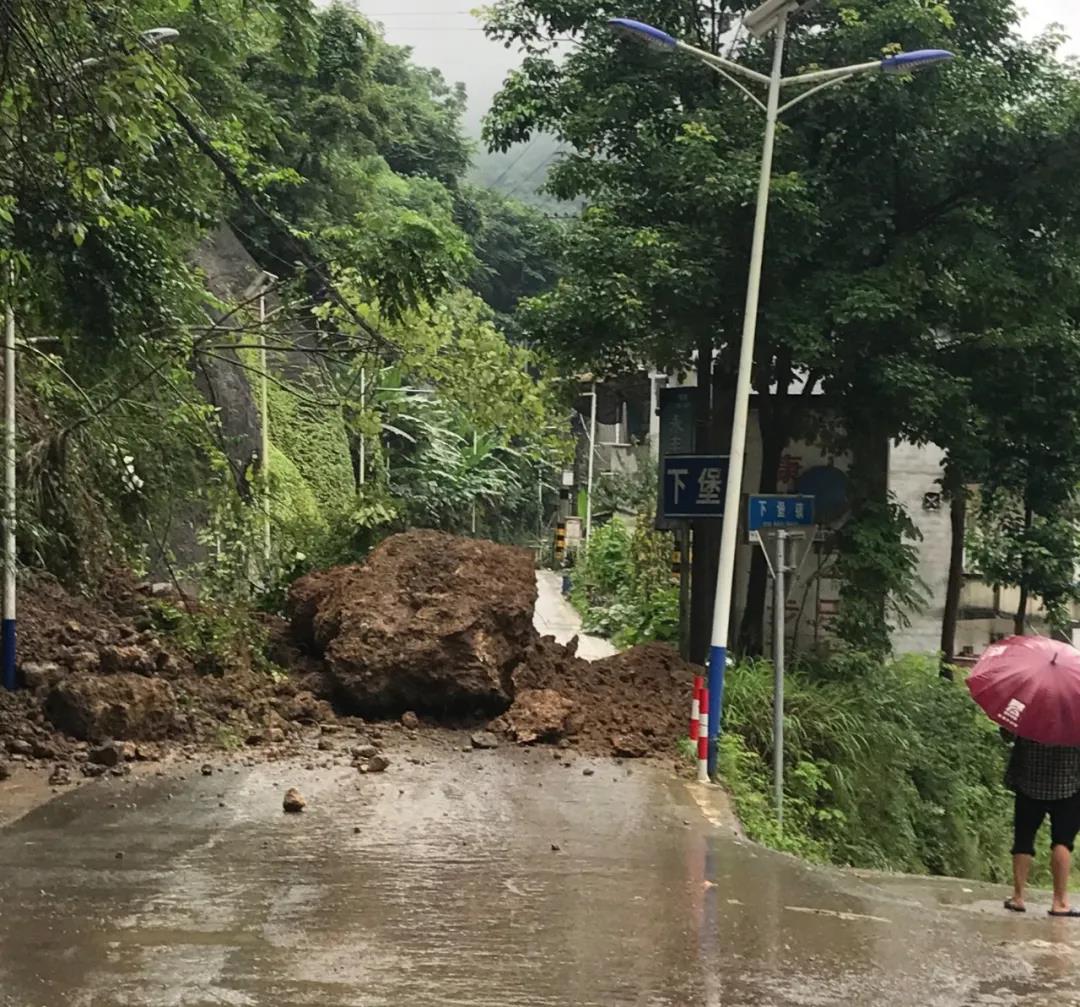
<point>437,884</point>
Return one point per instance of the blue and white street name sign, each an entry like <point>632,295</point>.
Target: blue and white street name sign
<point>779,512</point>
<point>694,486</point>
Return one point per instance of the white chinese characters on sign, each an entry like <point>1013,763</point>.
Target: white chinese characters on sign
<point>710,486</point>
<point>678,477</point>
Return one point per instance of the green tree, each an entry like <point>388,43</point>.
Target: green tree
<point>886,196</point>
<point>463,418</point>
<point>516,248</point>
<point>1022,449</point>
<point>337,160</point>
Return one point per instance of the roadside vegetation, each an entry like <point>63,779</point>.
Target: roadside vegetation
<point>623,584</point>
<point>889,767</point>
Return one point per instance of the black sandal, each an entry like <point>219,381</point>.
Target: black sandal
<point>1014,908</point>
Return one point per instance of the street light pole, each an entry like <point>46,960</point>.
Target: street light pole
<point>730,530</point>
<point>770,17</point>
<point>151,39</point>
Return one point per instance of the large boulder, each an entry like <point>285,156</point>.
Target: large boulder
<point>431,623</point>
<point>538,715</point>
<point>123,706</point>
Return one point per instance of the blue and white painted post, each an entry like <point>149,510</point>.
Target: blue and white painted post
<point>9,648</point>
<point>725,575</point>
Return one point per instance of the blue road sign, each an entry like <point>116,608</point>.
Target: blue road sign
<point>779,512</point>
<point>694,486</point>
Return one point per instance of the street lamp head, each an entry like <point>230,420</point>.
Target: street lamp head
<point>762,20</point>
<point>641,32</point>
<point>158,37</point>
<point>909,62</point>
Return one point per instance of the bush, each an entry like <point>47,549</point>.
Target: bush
<point>622,585</point>
<point>889,766</point>
<point>224,640</point>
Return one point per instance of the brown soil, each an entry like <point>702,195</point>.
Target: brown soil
<point>100,670</point>
<point>633,705</point>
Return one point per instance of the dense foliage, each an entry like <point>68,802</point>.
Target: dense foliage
<point>889,766</point>
<point>339,166</point>
<point>622,584</point>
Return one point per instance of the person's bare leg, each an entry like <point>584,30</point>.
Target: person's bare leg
<point>1060,865</point>
<point>1021,870</point>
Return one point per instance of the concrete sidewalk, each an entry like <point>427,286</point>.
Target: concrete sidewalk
<point>556,617</point>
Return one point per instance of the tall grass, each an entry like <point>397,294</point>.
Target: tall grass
<point>888,766</point>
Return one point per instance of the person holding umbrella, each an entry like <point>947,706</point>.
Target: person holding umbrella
<point>1046,781</point>
<point>1030,686</point>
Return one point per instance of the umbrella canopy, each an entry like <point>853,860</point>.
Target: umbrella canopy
<point>1031,686</point>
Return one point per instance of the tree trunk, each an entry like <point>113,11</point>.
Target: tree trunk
<point>752,627</point>
<point>863,600</point>
<point>958,520</point>
<point>706,533</point>
<point>869,474</point>
<point>1020,624</point>
<point>774,419</point>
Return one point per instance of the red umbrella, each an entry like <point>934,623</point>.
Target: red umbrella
<point>1031,686</point>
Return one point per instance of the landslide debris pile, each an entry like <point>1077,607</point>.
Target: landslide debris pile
<point>430,622</point>
<point>444,626</point>
<point>631,705</point>
<point>102,671</point>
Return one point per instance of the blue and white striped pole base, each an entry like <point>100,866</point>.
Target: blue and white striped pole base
<point>717,667</point>
<point>9,654</point>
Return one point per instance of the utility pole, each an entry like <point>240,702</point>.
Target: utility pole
<point>475,443</point>
<point>363,439</point>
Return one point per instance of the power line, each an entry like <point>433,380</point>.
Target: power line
<point>513,164</point>
<point>542,166</point>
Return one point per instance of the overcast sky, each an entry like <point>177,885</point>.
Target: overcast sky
<point>443,33</point>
